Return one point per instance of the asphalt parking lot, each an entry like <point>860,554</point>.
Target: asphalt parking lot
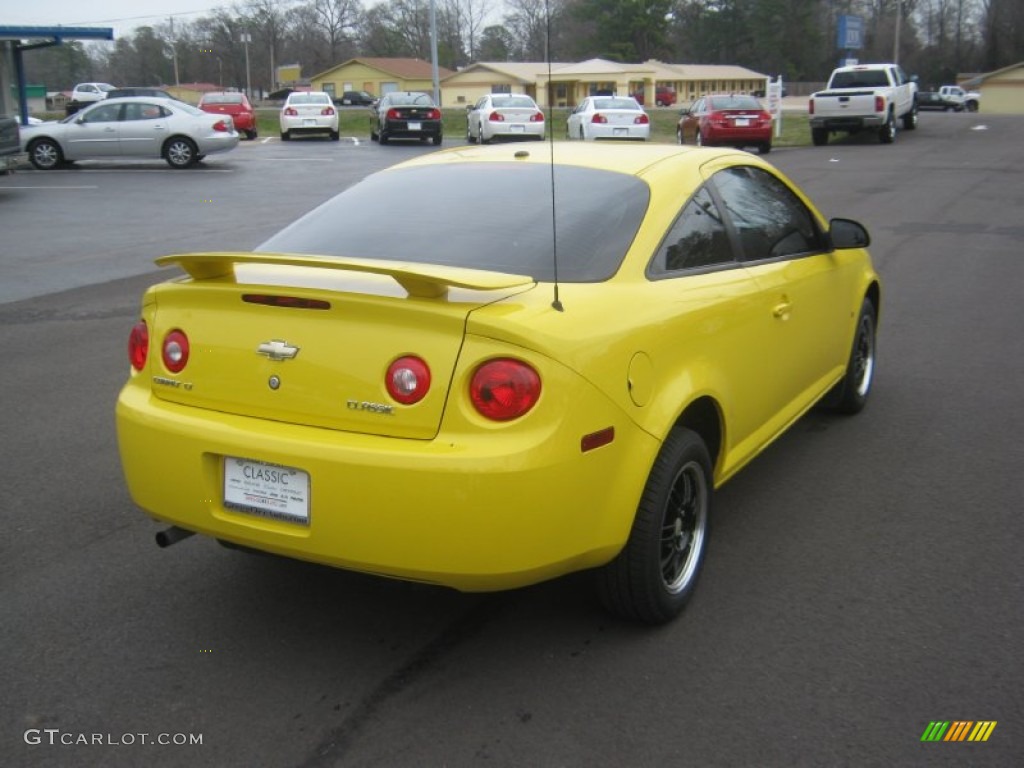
<point>864,576</point>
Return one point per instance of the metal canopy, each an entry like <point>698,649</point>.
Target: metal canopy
<point>29,38</point>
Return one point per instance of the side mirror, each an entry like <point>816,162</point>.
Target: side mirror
<point>846,233</point>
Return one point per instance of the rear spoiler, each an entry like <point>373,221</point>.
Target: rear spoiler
<point>420,280</point>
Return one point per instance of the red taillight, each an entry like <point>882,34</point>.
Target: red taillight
<point>393,114</point>
<point>138,345</point>
<point>408,380</point>
<point>537,117</point>
<point>220,125</point>
<point>291,112</point>
<point>504,389</point>
<point>598,118</point>
<point>327,111</point>
<point>879,103</point>
<point>642,120</point>
<point>175,351</point>
<point>496,117</point>
<point>433,114</point>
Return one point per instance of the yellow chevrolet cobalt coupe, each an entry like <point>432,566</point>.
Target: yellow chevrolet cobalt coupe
<point>542,365</point>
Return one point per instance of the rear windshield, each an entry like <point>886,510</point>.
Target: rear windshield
<point>222,98</point>
<point>734,102</point>
<point>309,98</point>
<point>513,101</point>
<point>492,216</point>
<point>867,78</point>
<point>412,99</point>
<point>613,103</point>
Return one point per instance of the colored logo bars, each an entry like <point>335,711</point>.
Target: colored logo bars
<point>958,730</point>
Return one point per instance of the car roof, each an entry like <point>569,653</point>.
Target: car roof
<point>633,159</point>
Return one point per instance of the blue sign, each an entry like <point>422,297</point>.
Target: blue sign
<point>850,33</point>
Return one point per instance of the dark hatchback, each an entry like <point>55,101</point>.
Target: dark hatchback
<point>406,115</point>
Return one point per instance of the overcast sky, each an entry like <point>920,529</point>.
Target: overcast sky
<point>122,15</point>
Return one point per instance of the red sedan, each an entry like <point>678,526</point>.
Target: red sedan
<point>737,121</point>
<point>232,103</point>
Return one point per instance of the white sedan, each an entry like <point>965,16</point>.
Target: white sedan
<point>307,112</point>
<point>131,127</point>
<point>504,116</point>
<point>609,117</point>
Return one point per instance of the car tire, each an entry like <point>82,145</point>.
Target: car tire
<point>583,135</point>
<point>654,575</point>
<point>679,136</point>
<point>699,140</point>
<point>470,138</point>
<point>437,140</point>
<point>851,394</point>
<point>251,135</point>
<point>382,138</point>
<point>910,119</point>
<point>286,136</point>
<point>887,133</point>
<point>180,152</point>
<point>819,137</point>
<point>335,136</point>
<point>45,154</point>
<point>764,148</point>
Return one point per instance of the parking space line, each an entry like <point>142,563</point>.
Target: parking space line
<point>90,186</point>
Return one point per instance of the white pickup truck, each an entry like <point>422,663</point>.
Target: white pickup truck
<point>863,97</point>
<point>959,98</point>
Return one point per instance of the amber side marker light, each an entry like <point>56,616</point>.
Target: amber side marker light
<point>597,439</point>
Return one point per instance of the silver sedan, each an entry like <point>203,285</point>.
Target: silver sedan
<point>609,117</point>
<point>130,127</point>
<point>505,116</point>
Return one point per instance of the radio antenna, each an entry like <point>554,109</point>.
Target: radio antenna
<point>556,302</point>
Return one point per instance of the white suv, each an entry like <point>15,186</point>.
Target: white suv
<point>86,93</point>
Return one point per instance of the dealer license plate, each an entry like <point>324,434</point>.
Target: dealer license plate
<point>309,121</point>
<point>518,128</point>
<point>266,490</point>
<point>414,126</point>
<point>742,121</point>
<point>621,132</point>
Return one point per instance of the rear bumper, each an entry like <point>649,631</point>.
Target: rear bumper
<point>624,132</point>
<point>220,142</point>
<point>309,124</point>
<point>739,136</point>
<point>470,510</point>
<point>851,123</point>
<point>495,130</point>
<point>399,129</point>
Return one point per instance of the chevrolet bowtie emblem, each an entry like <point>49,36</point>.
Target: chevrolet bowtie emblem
<point>277,350</point>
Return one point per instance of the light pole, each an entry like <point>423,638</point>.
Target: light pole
<point>246,38</point>
<point>433,53</point>
<point>896,34</point>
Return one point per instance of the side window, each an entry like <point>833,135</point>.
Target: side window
<point>770,221</point>
<point>141,111</point>
<point>697,239</point>
<point>108,113</point>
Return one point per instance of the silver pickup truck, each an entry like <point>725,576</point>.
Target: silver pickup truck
<point>864,97</point>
